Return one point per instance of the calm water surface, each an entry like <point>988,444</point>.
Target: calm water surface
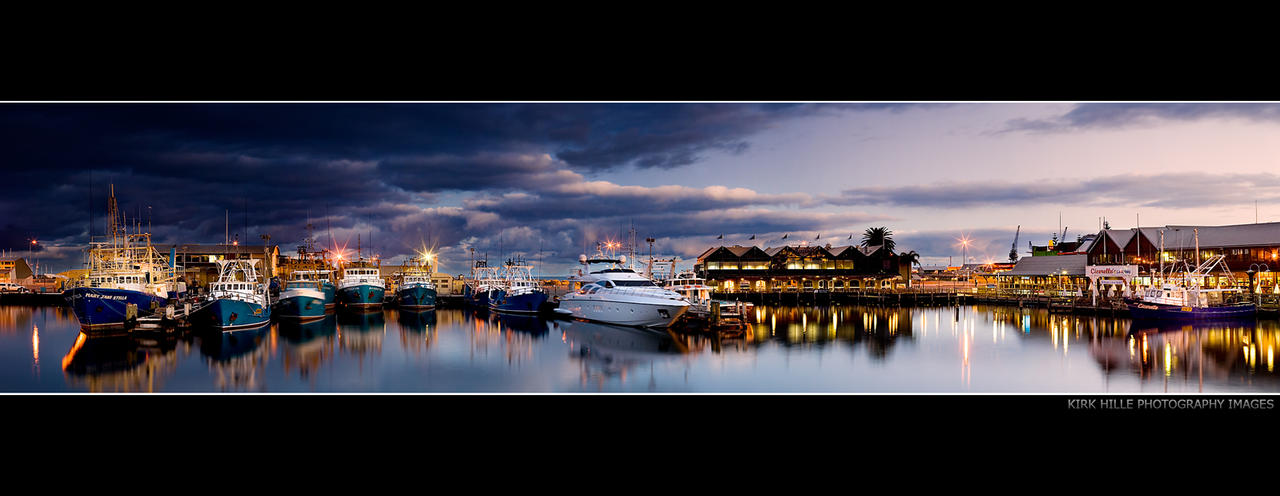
<point>788,349</point>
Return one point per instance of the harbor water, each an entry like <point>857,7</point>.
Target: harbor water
<point>788,349</point>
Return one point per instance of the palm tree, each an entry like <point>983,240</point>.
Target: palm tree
<point>911,257</point>
<point>878,236</point>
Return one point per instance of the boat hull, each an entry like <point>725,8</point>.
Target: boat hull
<point>301,304</point>
<point>227,314</point>
<point>475,298</point>
<point>526,303</point>
<point>107,308</point>
<point>416,298</point>
<point>1156,311</point>
<point>634,314</point>
<point>361,297</point>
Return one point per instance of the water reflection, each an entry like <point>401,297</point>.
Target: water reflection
<point>818,349</point>
<point>417,330</point>
<point>307,345</point>
<point>236,358</point>
<point>120,362</point>
<point>1238,353</point>
<point>878,328</point>
<point>361,333</point>
<point>606,352</point>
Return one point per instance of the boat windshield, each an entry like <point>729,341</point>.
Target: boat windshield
<point>647,284</point>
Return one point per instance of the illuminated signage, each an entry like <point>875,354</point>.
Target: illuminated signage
<point>1111,270</point>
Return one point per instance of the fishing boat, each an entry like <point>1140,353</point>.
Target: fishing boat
<point>308,293</point>
<point>695,290</point>
<point>618,295</point>
<point>126,278</point>
<point>517,291</point>
<point>362,287</point>
<point>238,300</point>
<point>475,290</point>
<point>1183,297</point>
<point>414,290</point>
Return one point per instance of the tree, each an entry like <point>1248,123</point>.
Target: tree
<point>911,257</point>
<point>878,236</point>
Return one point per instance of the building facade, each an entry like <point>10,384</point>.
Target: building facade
<point>198,264</point>
<point>736,268</point>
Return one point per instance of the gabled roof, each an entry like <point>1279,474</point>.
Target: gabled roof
<point>1050,265</point>
<point>868,250</point>
<point>1180,237</point>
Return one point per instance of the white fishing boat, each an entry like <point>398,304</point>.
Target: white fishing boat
<point>1184,296</point>
<point>695,290</point>
<point>616,294</point>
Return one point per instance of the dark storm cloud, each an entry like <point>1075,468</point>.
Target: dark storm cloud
<point>206,169</point>
<point>1182,190</point>
<point>1115,115</point>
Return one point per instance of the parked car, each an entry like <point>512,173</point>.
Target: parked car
<point>8,287</point>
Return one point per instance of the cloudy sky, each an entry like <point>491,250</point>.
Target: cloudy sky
<point>543,180</point>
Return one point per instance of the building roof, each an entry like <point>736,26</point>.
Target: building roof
<point>1043,266</point>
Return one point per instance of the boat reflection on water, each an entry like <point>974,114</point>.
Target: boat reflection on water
<point>307,345</point>
<point>361,332</point>
<point>535,326</point>
<point>417,320</point>
<point>120,362</point>
<point>236,357</point>
<point>417,329</point>
<point>1186,355</point>
<point>608,351</point>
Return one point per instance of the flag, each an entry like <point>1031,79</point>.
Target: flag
<point>850,236</point>
<point>753,236</point>
<point>720,236</point>
<point>818,236</point>
<point>784,236</point>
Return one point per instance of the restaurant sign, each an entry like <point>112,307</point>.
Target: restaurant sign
<point>1111,271</point>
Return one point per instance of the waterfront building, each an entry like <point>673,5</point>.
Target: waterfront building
<point>1041,275</point>
<point>14,270</point>
<point>198,264</point>
<point>1249,249</point>
<point>801,268</point>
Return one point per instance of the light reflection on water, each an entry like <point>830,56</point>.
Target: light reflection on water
<point>787,349</point>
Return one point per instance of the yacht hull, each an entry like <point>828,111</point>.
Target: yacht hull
<point>634,314</point>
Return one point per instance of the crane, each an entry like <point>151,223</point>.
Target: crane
<point>1013,249</point>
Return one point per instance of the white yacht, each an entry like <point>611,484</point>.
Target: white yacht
<point>619,295</point>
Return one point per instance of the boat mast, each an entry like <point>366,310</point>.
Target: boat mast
<point>1161,256</point>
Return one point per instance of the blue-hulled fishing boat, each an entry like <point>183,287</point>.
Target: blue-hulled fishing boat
<point>517,291</point>
<point>475,290</point>
<point>414,290</point>
<point>126,278</point>
<point>361,287</point>
<point>238,300</point>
